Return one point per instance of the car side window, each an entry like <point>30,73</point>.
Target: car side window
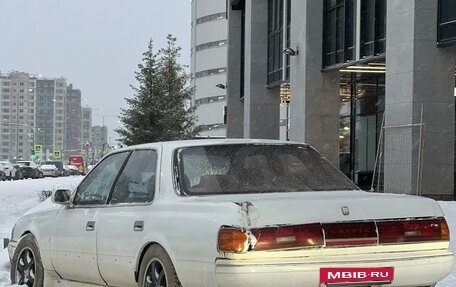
<point>95,188</point>
<point>136,184</point>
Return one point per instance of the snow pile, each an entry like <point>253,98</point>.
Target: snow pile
<point>16,197</point>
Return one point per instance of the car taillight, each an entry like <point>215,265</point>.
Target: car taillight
<point>232,240</point>
<point>368,233</point>
<point>416,230</point>
<point>350,234</point>
<point>306,235</point>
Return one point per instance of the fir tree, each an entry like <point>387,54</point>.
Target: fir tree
<point>160,109</point>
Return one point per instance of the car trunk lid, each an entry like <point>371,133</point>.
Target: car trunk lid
<point>327,207</point>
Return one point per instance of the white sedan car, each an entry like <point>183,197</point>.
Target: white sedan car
<point>8,169</point>
<point>227,213</point>
<point>50,170</point>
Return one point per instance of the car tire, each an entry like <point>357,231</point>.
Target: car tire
<point>26,266</point>
<point>157,269</point>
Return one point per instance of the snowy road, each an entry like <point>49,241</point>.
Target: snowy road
<point>16,197</point>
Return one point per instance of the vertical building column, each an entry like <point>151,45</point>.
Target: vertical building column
<point>314,94</point>
<point>419,77</point>
<point>261,104</point>
<point>235,107</point>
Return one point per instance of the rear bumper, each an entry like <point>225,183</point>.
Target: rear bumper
<point>410,269</point>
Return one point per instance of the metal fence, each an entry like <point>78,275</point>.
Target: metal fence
<point>400,148</point>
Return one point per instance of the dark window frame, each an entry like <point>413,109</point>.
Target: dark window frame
<point>373,28</point>
<point>339,32</point>
<point>441,40</point>
<point>275,41</point>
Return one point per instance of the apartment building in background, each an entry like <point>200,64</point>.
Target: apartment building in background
<point>86,130</point>
<point>44,112</point>
<point>73,121</point>
<point>50,115</point>
<point>99,142</point>
<point>17,115</point>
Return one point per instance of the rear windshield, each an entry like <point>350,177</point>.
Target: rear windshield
<point>253,168</point>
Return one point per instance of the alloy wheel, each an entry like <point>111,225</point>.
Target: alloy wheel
<point>155,275</point>
<point>25,268</point>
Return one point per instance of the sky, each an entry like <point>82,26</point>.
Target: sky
<point>95,44</point>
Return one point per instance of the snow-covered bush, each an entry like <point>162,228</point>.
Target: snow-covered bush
<point>44,194</point>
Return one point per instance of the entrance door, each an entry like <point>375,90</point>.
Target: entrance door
<point>362,107</point>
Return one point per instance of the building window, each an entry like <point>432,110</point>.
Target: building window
<point>210,72</point>
<point>339,31</point>
<point>209,100</point>
<point>275,41</point>
<point>212,17</point>
<point>446,30</point>
<point>208,45</point>
<point>373,27</point>
<point>212,127</point>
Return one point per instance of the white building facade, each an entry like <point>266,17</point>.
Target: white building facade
<point>208,65</point>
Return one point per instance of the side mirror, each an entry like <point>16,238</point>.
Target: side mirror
<point>61,196</point>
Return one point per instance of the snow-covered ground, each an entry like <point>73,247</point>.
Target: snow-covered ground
<point>16,197</point>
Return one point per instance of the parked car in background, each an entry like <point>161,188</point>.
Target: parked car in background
<point>72,170</point>
<point>50,170</point>
<point>59,165</point>
<point>30,169</point>
<point>2,175</point>
<point>228,213</point>
<point>8,169</point>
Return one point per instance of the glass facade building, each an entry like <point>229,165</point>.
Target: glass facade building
<point>354,95</point>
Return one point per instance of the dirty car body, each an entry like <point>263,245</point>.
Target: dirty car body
<point>230,213</point>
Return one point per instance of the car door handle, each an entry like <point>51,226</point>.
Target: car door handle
<point>138,226</point>
<point>90,226</point>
